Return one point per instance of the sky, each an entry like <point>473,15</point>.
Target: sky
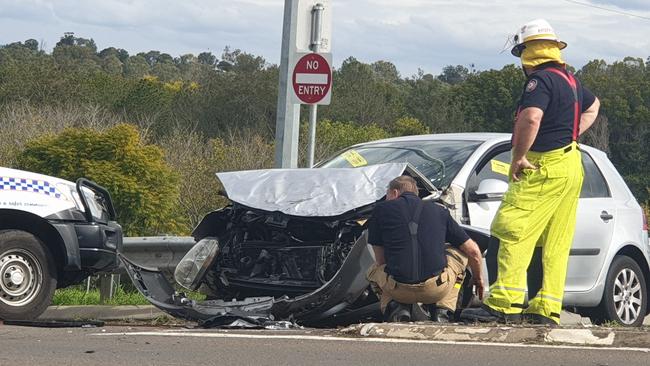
<point>412,34</point>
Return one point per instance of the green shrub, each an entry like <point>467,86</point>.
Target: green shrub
<point>332,136</point>
<point>407,126</point>
<point>144,189</point>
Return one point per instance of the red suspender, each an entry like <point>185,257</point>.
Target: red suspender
<point>576,105</point>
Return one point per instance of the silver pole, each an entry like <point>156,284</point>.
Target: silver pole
<point>288,114</point>
<point>313,113</point>
<point>316,29</point>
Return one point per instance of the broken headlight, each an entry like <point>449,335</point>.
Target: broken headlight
<point>191,269</point>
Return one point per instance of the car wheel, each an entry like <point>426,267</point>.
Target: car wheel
<point>28,276</point>
<point>626,296</point>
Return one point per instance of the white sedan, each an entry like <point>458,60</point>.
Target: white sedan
<point>608,272</point>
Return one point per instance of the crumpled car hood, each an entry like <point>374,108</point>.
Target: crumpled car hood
<point>321,192</point>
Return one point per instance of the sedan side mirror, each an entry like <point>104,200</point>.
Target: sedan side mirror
<point>489,190</point>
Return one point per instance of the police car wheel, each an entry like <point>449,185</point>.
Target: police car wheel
<point>28,276</point>
<point>626,295</point>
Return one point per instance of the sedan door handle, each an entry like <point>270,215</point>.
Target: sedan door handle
<point>606,216</point>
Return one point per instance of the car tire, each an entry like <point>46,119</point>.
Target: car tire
<point>28,276</point>
<point>625,298</point>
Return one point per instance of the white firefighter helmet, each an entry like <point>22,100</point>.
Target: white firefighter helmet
<point>538,29</point>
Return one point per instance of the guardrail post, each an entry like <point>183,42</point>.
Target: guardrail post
<point>105,288</point>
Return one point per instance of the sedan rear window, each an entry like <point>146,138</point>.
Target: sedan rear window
<point>439,161</point>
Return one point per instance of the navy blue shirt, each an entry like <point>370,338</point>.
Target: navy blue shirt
<point>388,228</point>
<point>552,94</point>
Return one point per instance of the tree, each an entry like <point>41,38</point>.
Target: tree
<point>488,99</point>
<point>112,65</point>
<point>76,54</point>
<point>386,71</point>
<point>207,58</point>
<point>454,74</point>
<point>143,187</point>
<point>31,44</point>
<point>70,40</point>
<point>136,66</point>
<point>362,96</point>
<point>242,62</point>
<point>431,101</point>
<point>624,91</point>
<point>332,136</point>
<point>121,54</point>
<point>165,71</point>
<point>151,57</point>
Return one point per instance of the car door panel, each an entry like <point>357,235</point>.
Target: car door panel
<point>593,233</point>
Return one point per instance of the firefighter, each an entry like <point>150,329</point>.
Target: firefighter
<point>539,208</point>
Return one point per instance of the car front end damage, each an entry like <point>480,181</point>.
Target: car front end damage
<point>282,252</point>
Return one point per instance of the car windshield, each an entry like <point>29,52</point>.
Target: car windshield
<point>439,161</point>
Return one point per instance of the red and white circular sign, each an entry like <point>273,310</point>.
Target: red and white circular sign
<point>312,78</point>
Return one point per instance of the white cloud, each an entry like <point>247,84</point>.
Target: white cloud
<point>625,4</point>
<point>428,34</point>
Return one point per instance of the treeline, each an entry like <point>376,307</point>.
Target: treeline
<point>205,107</point>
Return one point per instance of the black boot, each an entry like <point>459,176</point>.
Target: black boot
<point>440,315</point>
<point>532,318</point>
<point>485,314</point>
<point>397,312</point>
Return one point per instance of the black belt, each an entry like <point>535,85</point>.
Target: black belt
<point>435,274</point>
<point>569,148</point>
<point>566,149</point>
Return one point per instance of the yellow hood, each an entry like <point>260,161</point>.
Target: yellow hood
<point>540,52</point>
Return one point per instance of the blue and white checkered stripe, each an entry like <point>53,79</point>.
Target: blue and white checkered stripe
<point>28,185</point>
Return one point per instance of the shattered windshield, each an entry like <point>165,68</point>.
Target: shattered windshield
<point>439,161</point>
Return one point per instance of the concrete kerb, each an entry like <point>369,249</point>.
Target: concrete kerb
<point>103,312</point>
<point>577,332</point>
<point>636,338</point>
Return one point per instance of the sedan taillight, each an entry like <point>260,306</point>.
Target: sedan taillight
<point>645,221</point>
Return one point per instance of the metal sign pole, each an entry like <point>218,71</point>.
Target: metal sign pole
<point>316,28</point>
<point>288,114</point>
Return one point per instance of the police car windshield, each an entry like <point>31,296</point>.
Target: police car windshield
<point>439,161</point>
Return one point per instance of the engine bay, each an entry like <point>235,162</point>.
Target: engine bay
<point>272,254</point>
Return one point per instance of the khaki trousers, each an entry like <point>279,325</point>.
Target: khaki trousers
<point>441,290</point>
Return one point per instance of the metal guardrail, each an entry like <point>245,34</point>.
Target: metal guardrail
<point>162,252</point>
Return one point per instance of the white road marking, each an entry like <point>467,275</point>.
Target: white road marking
<point>311,78</point>
<point>205,334</point>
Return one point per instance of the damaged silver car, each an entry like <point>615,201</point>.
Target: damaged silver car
<point>293,242</point>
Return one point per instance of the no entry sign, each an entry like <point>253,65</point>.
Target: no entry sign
<point>312,79</point>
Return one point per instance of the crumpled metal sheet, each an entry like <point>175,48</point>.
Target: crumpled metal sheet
<point>322,192</point>
<point>228,321</point>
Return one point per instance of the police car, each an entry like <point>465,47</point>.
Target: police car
<point>53,233</point>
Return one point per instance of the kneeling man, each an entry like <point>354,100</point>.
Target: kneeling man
<point>413,262</point>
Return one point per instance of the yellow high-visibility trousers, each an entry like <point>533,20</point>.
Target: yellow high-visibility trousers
<point>539,209</point>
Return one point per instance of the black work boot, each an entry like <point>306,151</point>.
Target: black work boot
<point>397,312</point>
<point>532,318</point>
<point>485,314</point>
<point>440,315</point>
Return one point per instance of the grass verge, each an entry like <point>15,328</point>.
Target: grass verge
<point>78,296</point>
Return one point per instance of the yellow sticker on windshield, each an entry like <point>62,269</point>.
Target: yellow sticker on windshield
<point>500,167</point>
<point>354,158</point>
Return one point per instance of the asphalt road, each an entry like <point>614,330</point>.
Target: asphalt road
<point>143,346</point>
